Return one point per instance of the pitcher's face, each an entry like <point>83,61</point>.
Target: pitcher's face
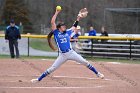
<point>62,28</point>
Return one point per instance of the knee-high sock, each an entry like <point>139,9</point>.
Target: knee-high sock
<point>43,75</point>
<point>92,69</point>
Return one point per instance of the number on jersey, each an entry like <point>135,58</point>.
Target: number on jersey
<point>64,40</point>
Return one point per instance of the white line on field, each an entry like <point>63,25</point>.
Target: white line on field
<point>71,77</point>
<point>80,78</point>
<point>49,87</point>
<point>116,63</point>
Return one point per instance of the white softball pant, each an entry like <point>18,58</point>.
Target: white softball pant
<point>63,57</point>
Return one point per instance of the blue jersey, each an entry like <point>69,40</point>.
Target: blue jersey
<point>62,40</point>
<point>92,33</point>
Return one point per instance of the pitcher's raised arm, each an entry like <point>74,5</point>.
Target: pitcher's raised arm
<point>53,24</point>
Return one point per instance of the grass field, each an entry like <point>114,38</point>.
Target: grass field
<point>40,44</point>
<point>93,59</point>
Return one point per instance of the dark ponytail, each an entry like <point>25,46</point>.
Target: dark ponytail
<point>50,41</point>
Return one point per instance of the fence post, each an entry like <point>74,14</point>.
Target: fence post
<point>91,47</point>
<point>28,46</point>
<point>58,52</point>
<point>130,56</point>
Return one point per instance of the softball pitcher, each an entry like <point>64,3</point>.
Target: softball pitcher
<point>62,38</point>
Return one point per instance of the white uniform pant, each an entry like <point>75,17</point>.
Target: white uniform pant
<point>73,45</point>
<point>63,57</point>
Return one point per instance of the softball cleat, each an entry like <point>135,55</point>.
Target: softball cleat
<point>100,75</point>
<point>34,80</point>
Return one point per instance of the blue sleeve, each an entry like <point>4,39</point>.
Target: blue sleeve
<point>69,32</point>
<point>6,33</point>
<point>55,31</point>
<point>18,32</point>
<point>89,34</point>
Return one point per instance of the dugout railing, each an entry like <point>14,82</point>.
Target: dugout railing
<point>111,49</point>
<point>100,46</point>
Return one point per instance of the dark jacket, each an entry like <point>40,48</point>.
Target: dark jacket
<point>104,33</point>
<point>12,33</point>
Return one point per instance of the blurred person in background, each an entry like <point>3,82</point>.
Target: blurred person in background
<point>103,33</point>
<point>12,34</point>
<point>74,37</point>
<point>92,31</point>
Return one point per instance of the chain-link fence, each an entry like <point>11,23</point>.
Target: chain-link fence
<point>122,20</point>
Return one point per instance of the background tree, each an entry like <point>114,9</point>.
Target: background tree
<point>15,9</point>
<point>39,13</point>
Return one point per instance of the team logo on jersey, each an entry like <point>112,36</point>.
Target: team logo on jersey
<point>62,35</point>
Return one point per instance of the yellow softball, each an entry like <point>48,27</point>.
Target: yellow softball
<point>58,8</point>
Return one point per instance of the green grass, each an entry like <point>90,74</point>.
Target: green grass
<point>91,59</point>
<point>26,57</point>
<point>40,44</point>
<point>4,56</point>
